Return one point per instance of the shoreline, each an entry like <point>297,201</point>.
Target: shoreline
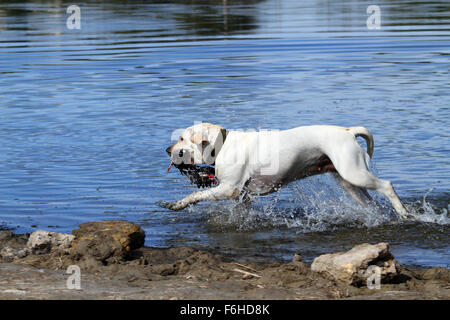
<point>177,273</point>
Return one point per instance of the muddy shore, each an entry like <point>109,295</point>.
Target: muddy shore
<point>188,273</point>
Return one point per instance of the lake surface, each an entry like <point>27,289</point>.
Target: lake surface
<point>86,115</point>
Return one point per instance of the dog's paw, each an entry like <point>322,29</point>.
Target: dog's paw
<point>175,206</point>
<point>162,203</point>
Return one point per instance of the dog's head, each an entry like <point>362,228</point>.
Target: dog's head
<point>198,144</point>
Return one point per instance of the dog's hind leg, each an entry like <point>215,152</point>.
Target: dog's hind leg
<point>360,195</point>
<point>351,165</point>
<point>362,178</point>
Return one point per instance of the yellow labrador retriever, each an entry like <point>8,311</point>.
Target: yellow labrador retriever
<point>258,163</point>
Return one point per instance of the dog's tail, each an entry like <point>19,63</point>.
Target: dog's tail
<point>363,132</point>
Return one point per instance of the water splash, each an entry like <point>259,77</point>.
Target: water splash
<point>426,211</point>
<point>318,204</point>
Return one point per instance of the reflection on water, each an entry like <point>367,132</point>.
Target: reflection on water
<point>86,114</point>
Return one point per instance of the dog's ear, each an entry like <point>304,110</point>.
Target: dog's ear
<point>218,134</point>
<point>223,135</point>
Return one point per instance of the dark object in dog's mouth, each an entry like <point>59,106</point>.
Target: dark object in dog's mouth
<point>200,175</point>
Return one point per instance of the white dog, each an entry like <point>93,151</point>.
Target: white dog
<point>258,163</point>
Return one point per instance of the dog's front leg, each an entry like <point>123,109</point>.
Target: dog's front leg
<point>221,192</point>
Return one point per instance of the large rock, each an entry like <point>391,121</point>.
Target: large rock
<point>107,240</point>
<point>45,241</point>
<point>354,266</point>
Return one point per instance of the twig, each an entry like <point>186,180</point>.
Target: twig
<point>247,273</point>
<point>241,265</point>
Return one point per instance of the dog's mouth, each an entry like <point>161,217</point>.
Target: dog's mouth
<point>202,176</point>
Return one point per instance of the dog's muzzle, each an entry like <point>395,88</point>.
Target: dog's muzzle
<point>180,154</point>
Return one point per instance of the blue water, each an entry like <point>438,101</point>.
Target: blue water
<point>86,115</point>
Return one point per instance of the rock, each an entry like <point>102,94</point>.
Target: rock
<point>9,254</point>
<point>107,240</point>
<point>354,266</point>
<point>45,241</point>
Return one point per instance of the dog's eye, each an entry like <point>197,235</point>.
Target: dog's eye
<point>181,138</point>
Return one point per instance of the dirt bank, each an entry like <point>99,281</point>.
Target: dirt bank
<point>187,273</point>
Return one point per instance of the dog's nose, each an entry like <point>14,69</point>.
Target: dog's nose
<point>180,154</point>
